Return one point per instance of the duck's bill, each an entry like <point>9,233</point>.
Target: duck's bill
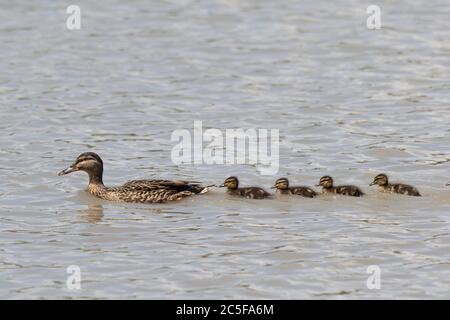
<point>371,184</point>
<point>272,187</point>
<point>221,185</point>
<point>448,184</point>
<point>317,185</point>
<point>66,171</point>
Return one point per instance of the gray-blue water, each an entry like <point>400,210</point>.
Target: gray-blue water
<point>348,101</point>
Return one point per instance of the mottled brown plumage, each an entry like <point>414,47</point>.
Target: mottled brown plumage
<point>142,191</point>
<point>282,186</point>
<point>327,187</point>
<point>384,186</point>
<point>232,184</point>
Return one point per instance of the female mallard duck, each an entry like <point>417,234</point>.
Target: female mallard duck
<point>384,186</point>
<point>232,184</point>
<point>327,184</point>
<point>143,191</point>
<point>282,186</point>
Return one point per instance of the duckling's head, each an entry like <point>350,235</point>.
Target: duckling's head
<point>381,180</point>
<point>231,183</point>
<point>326,182</point>
<point>89,162</point>
<point>281,184</point>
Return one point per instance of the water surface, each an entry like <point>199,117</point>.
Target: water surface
<point>348,101</point>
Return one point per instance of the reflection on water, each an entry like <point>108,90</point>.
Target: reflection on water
<point>93,213</point>
<point>348,102</point>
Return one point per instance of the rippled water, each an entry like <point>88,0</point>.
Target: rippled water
<point>348,101</point>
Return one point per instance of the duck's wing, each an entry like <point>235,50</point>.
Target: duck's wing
<point>405,189</point>
<point>303,191</point>
<point>254,193</point>
<point>350,191</point>
<point>153,185</point>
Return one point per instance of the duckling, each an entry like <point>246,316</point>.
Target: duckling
<point>282,186</point>
<point>142,191</point>
<point>327,183</point>
<point>384,186</point>
<point>232,184</point>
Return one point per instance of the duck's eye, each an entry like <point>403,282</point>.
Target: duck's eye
<point>85,159</point>
<point>379,179</point>
<point>230,183</point>
<point>281,183</point>
<point>83,162</point>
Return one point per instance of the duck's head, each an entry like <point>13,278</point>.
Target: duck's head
<point>231,183</point>
<point>89,162</point>
<point>281,184</point>
<point>326,182</point>
<point>381,180</point>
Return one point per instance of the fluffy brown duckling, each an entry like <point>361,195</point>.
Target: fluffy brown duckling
<point>282,186</point>
<point>327,187</point>
<point>143,191</point>
<point>232,184</point>
<point>384,186</point>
